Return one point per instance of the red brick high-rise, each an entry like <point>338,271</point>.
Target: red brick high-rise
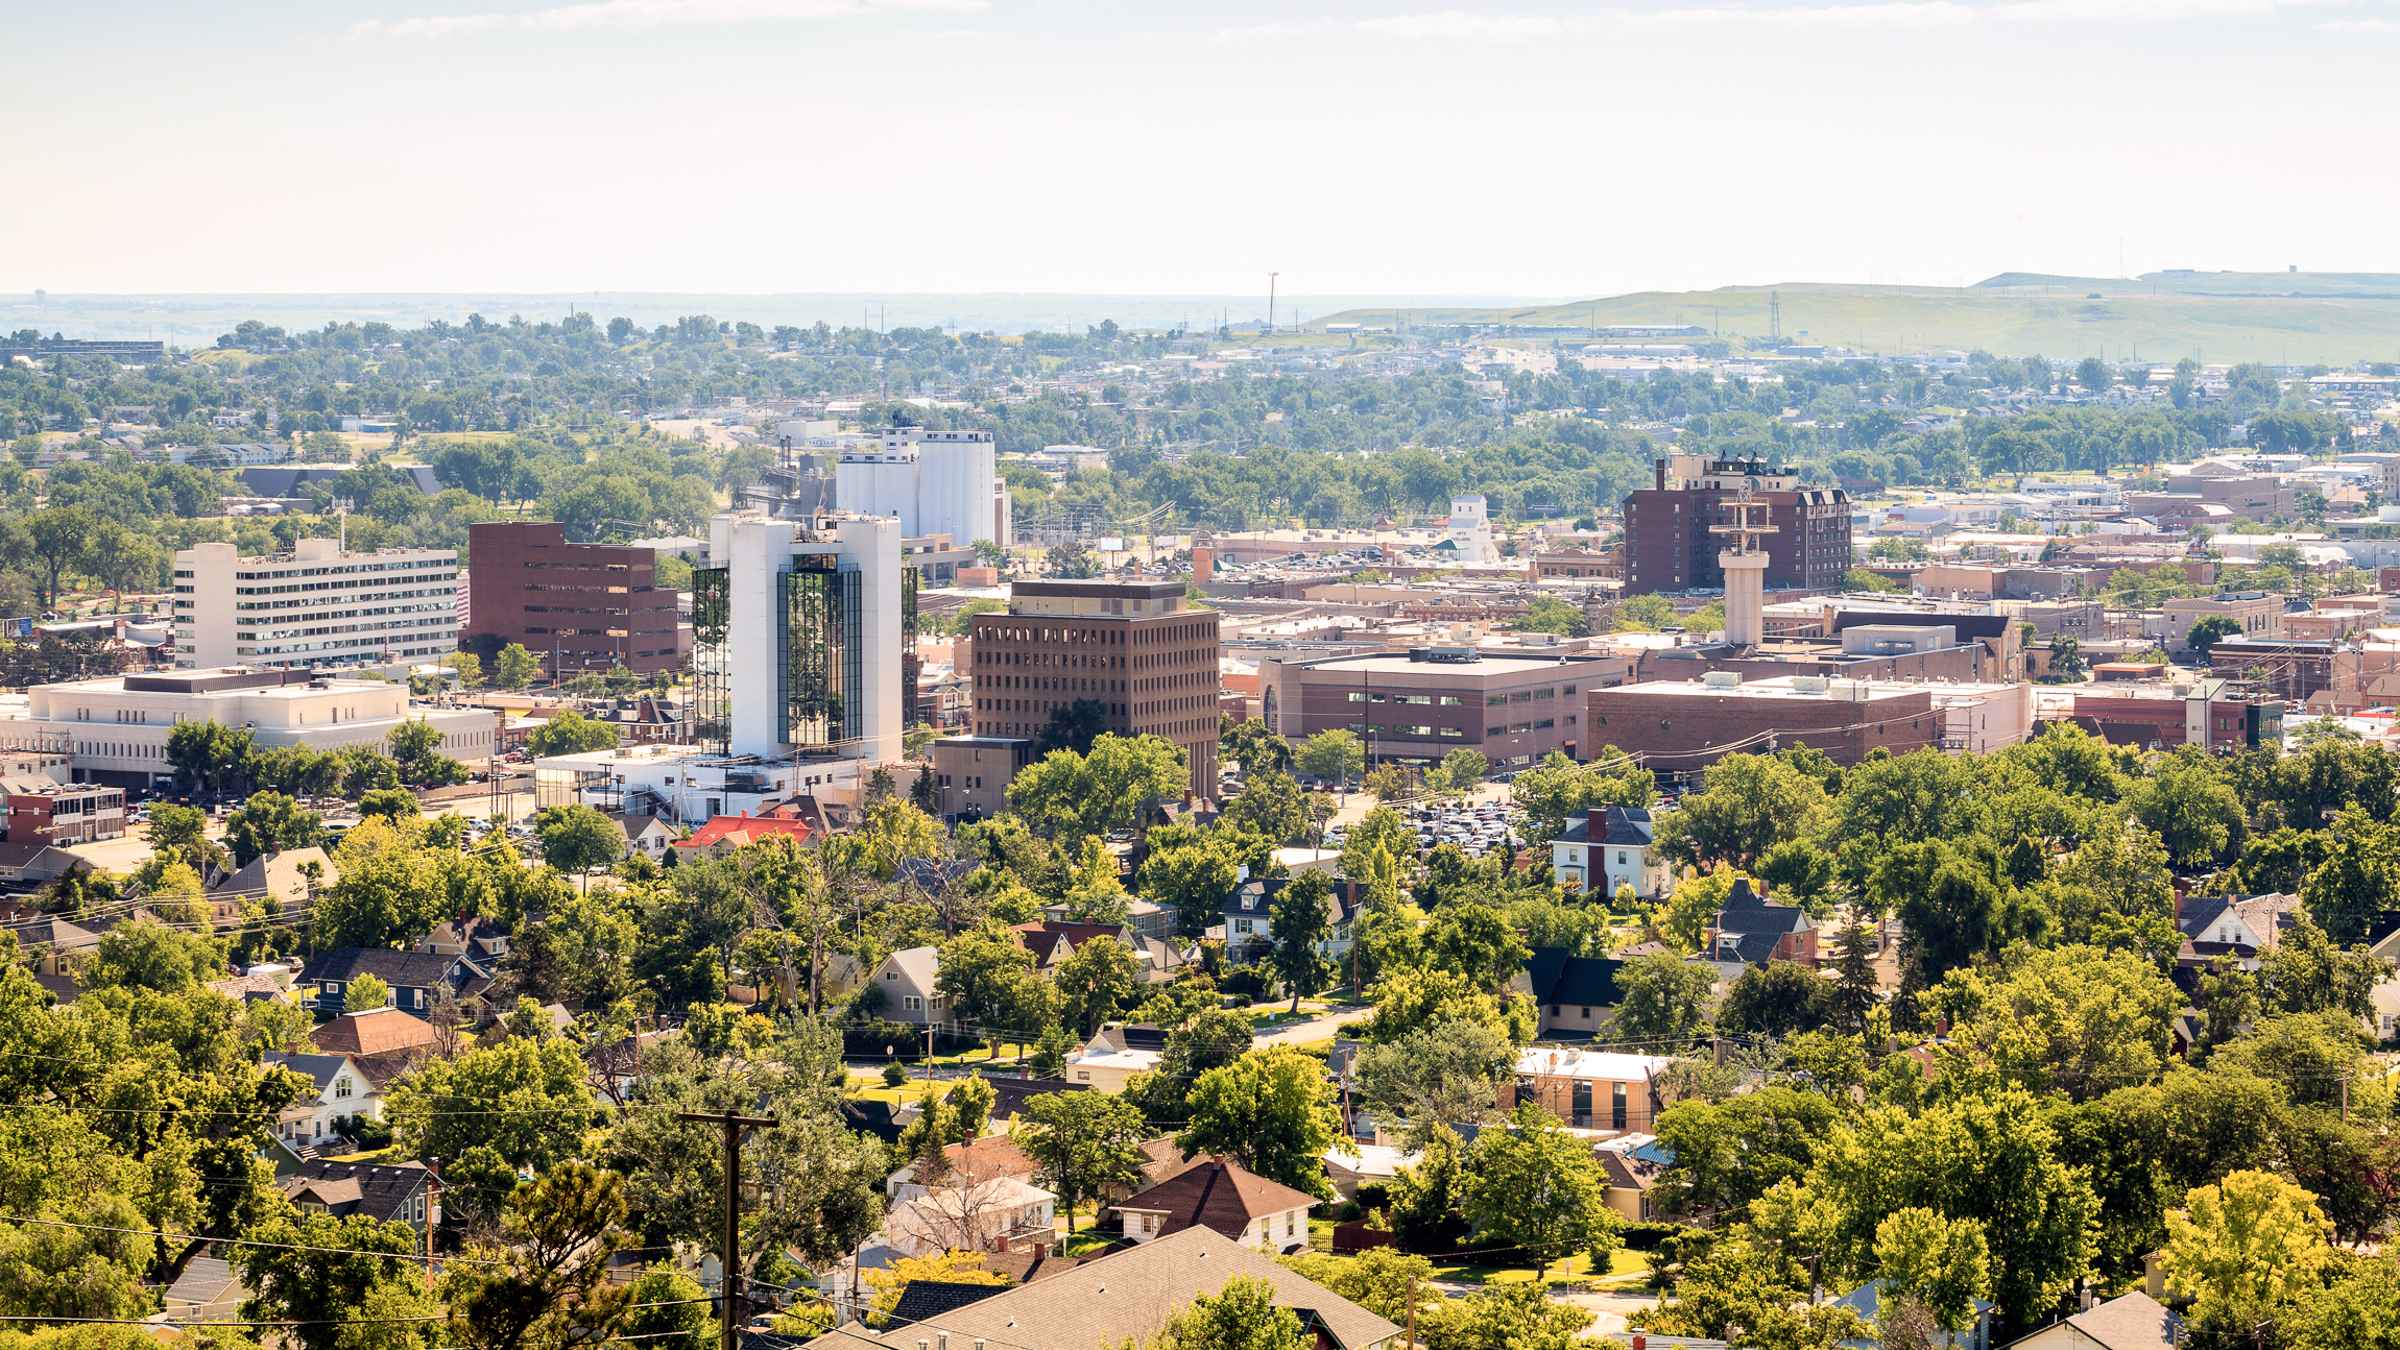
<point>1129,646</point>
<point>576,607</point>
<point>1668,546</point>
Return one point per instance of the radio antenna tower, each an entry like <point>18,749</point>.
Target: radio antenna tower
<point>1774,316</point>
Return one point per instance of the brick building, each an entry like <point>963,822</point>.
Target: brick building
<point>1420,705</point>
<point>43,812</point>
<point>576,607</point>
<point>1129,646</point>
<point>1668,546</point>
<point>1683,726</point>
<point>2212,714</point>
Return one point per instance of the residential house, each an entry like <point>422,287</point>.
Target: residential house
<point>1053,941</point>
<point>341,1090</point>
<point>1114,1054</point>
<point>1221,1195</point>
<point>993,1155</point>
<point>1147,918</point>
<point>1126,1297</point>
<point>645,833</point>
<point>371,1032</point>
<point>723,834</point>
<point>413,977</point>
<point>1611,847</point>
<point>393,1192</point>
<point>2132,1321</point>
<point>1249,915</point>
<point>1571,994</point>
<point>32,865</point>
<point>285,879</point>
<point>905,980</point>
<point>1867,1301</point>
<point>970,1214</point>
<point>1350,1165</point>
<point>1588,1089</point>
<point>2243,927</point>
<point>1632,1164</point>
<point>1749,931</point>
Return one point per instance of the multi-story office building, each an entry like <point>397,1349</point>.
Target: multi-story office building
<point>115,728</point>
<point>1669,540</point>
<point>316,606</point>
<point>576,607</point>
<point>1683,726</point>
<point>801,633</point>
<point>936,482</point>
<point>1129,647</point>
<point>1419,705</point>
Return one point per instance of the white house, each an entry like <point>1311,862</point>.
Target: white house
<point>1220,1195</point>
<point>342,1089</point>
<point>973,1216</point>
<point>1611,846</point>
<point>907,980</point>
<point>1114,1055</point>
<point>645,834</point>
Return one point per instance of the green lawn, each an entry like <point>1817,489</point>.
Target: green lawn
<point>1575,1268</point>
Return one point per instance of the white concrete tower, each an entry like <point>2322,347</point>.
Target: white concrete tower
<point>1745,567</point>
<point>1470,531</point>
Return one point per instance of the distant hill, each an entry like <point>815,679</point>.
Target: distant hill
<point>2298,318</point>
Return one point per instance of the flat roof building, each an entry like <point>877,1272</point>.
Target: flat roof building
<point>1683,726</point>
<point>1130,647</point>
<point>1669,540</point>
<point>576,607</point>
<point>1419,705</point>
<point>316,607</point>
<point>115,727</point>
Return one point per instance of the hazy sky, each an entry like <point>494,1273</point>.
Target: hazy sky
<point>1375,146</point>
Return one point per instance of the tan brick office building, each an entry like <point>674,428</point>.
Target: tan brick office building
<point>1130,646</point>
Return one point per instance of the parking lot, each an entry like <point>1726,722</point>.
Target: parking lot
<point>1477,825</point>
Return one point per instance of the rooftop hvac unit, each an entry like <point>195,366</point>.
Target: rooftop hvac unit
<point>1722,679</point>
<point>1808,684</point>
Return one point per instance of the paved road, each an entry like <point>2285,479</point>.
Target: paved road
<point>1316,1028</point>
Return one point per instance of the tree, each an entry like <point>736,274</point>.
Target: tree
<point>1558,791</point>
<point>2305,973</point>
<point>1098,979</point>
<point>181,830</point>
<point>365,993</point>
<point>388,803</point>
<point>2073,1019</point>
<point>1991,1157</point>
<point>547,1282</point>
<point>577,838</point>
<point>1663,998</point>
<point>514,667</point>
<point>1512,1316</point>
<point>517,1105</point>
<point>61,540</point>
<point>1254,747</point>
<point>1087,1144</point>
<point>2210,630</point>
<point>209,759</point>
<point>1299,923</point>
<point>2358,1310</point>
<point>1856,988</point>
<point>1475,941</point>
<point>1240,1316</point>
<point>1778,999</point>
<point>1273,1110</point>
<point>1271,805</point>
<point>1939,1264</point>
<point>2358,879</point>
<point>1533,1186</point>
<point>1069,797</point>
<point>1444,1075</point>
<point>569,732</point>
<point>1460,770</point>
<point>1335,756</point>
<point>1096,888</point>
<point>1193,880</point>
<point>49,1269</point>
<point>469,667</point>
<point>2244,1249</point>
<point>2196,813</point>
<point>391,890</point>
<point>666,1309</point>
<point>1073,727</point>
<point>1747,804</point>
<point>1729,1153</point>
<point>319,1271</point>
<point>417,751</point>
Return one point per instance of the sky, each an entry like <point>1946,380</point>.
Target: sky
<point>1362,147</point>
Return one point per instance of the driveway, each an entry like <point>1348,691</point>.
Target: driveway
<point>1320,1028</point>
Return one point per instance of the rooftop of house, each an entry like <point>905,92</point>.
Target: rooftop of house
<point>1620,827</point>
<point>1216,1193</point>
<point>1554,976</point>
<point>375,1031</point>
<point>415,970</point>
<point>1127,1296</point>
<point>740,830</point>
<point>1559,1061</point>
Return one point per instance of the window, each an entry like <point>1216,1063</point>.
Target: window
<point>911,1003</point>
<point>341,1086</point>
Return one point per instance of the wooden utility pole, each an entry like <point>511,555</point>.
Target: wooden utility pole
<point>729,1323</point>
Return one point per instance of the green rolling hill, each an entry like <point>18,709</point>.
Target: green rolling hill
<point>2297,318</point>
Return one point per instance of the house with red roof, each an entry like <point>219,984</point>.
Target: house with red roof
<point>723,834</point>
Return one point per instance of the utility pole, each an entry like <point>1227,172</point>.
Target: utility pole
<point>729,1325</point>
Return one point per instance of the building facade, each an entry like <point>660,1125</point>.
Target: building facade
<point>1131,647</point>
<point>1668,541</point>
<point>75,813</point>
<point>115,728</point>
<point>971,773</point>
<point>1684,726</point>
<point>936,482</point>
<point>315,607</point>
<point>576,607</point>
<point>1420,705</point>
